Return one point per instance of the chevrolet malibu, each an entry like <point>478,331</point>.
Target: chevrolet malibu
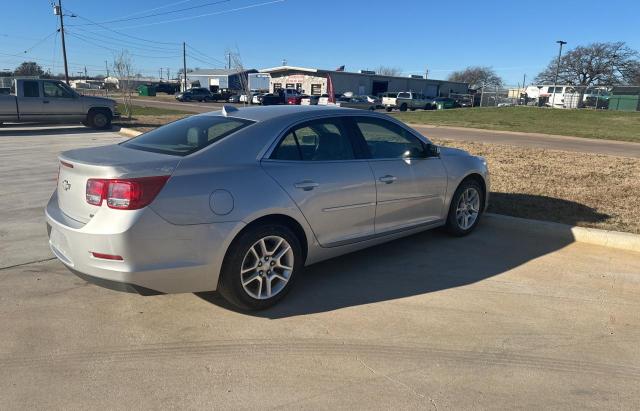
<point>240,200</point>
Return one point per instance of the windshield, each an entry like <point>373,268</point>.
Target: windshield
<point>188,135</point>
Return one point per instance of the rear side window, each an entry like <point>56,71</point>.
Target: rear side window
<point>403,95</point>
<point>319,140</point>
<point>31,89</point>
<point>187,136</point>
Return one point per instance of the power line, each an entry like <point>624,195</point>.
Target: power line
<point>158,14</point>
<point>129,45</point>
<point>122,34</point>
<point>204,55</point>
<point>158,8</point>
<point>266,3</point>
<point>82,38</point>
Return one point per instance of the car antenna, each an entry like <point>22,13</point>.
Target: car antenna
<point>226,109</point>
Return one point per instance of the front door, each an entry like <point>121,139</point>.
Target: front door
<point>334,189</point>
<point>410,187</point>
<point>61,104</point>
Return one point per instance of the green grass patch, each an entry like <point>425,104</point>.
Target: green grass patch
<point>602,124</point>
<point>150,111</point>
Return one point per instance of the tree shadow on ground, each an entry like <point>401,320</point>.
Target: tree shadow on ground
<point>419,264</point>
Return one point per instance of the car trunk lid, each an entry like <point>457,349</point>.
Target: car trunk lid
<point>113,161</point>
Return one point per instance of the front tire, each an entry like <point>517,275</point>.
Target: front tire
<point>99,119</point>
<point>403,107</point>
<point>465,209</point>
<point>260,267</point>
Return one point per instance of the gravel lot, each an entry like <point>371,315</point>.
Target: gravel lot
<point>493,320</point>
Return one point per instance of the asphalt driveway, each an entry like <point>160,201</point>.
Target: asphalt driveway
<point>498,319</point>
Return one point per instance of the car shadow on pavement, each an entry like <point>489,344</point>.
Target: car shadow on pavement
<point>415,265</point>
<point>39,129</point>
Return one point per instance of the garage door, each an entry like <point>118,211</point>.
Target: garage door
<point>431,90</point>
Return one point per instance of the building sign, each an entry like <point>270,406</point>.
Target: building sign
<point>296,78</point>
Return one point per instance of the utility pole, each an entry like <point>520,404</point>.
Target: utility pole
<point>160,78</point>
<point>58,11</point>
<point>555,81</point>
<point>184,63</point>
<point>85,73</point>
<point>168,77</point>
<point>106,66</point>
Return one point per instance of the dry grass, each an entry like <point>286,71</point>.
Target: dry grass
<point>149,122</point>
<point>573,188</point>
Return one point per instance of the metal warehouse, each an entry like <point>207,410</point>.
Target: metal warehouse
<point>315,82</point>
<point>219,79</point>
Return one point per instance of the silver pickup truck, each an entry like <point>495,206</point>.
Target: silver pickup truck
<point>34,100</point>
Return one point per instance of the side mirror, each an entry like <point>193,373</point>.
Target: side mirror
<point>431,150</point>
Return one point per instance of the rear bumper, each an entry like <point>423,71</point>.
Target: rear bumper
<point>157,257</point>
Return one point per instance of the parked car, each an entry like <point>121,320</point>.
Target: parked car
<point>240,200</point>
<point>54,101</point>
<point>234,98</point>
<point>360,102</point>
<point>310,100</point>
<point>220,95</point>
<point>389,100</point>
<point>272,99</point>
<point>375,100</point>
<point>257,98</point>
<point>294,99</point>
<point>442,103</point>
<point>168,88</point>
<point>410,101</point>
<point>195,94</point>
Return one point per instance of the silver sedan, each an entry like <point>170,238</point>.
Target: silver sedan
<point>240,200</point>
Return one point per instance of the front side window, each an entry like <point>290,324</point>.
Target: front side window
<point>319,140</point>
<point>187,136</point>
<point>403,95</point>
<point>31,89</point>
<point>53,89</point>
<point>387,140</point>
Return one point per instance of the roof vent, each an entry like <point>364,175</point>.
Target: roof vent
<point>226,109</point>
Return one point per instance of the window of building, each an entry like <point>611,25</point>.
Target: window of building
<point>298,86</point>
<point>289,85</point>
<point>316,89</point>
<point>277,86</point>
<point>31,89</point>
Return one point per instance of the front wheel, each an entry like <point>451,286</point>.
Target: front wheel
<point>403,107</point>
<point>388,109</point>
<point>466,208</point>
<point>260,267</point>
<point>99,119</point>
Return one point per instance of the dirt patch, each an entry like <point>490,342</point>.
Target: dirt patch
<point>587,190</point>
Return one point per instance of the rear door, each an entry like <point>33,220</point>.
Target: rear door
<point>317,164</point>
<point>410,187</point>
<point>30,100</point>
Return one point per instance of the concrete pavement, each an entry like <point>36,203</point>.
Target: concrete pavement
<point>534,140</point>
<point>498,319</point>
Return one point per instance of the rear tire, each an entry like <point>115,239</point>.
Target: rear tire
<point>466,208</point>
<point>260,267</point>
<point>403,107</point>
<point>388,109</point>
<point>99,119</point>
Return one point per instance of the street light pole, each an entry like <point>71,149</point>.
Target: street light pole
<point>555,81</point>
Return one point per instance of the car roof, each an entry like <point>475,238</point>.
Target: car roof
<point>291,112</point>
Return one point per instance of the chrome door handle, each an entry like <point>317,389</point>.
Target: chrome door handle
<point>388,179</point>
<point>306,185</point>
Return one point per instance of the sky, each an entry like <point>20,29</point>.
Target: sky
<point>514,37</point>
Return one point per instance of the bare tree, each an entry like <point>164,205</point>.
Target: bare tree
<point>123,67</point>
<point>389,71</point>
<point>477,77</point>
<point>238,67</point>
<point>592,65</point>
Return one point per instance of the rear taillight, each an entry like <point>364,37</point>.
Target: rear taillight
<point>124,194</point>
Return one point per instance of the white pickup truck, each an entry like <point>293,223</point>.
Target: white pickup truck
<point>408,100</point>
<point>36,100</point>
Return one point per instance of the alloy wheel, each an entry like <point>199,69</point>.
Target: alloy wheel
<point>468,208</point>
<point>267,267</point>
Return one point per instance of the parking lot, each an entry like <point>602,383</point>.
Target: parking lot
<point>498,319</point>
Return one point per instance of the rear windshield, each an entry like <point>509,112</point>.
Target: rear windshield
<point>188,135</point>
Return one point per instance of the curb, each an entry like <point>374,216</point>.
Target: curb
<point>128,132</point>
<point>605,238</point>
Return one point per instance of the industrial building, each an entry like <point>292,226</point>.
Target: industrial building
<point>219,79</point>
<point>315,82</point>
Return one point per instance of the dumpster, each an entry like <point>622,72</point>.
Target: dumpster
<point>147,90</point>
